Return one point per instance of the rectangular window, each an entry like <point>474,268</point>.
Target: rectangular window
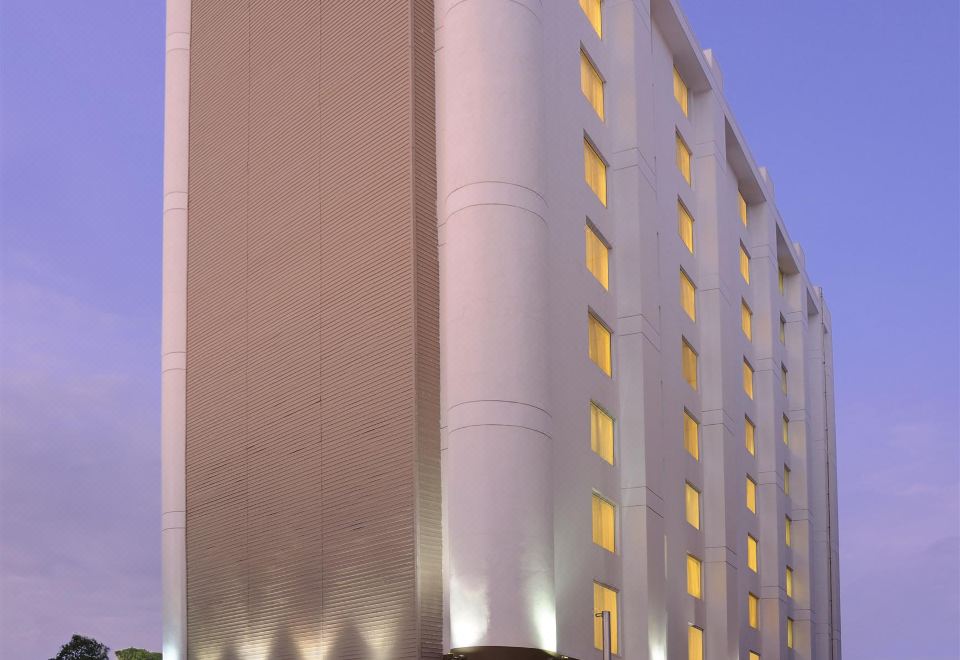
<point>595,172</point>
<point>753,611</point>
<point>685,225</point>
<point>789,633</point>
<point>785,430</point>
<point>747,379</point>
<point>683,159</point>
<point>746,320</point>
<point>598,257</point>
<point>591,84</point>
<point>689,365</point>
<point>786,480</point>
<point>694,577</point>
<point>692,499</point>
<point>751,495</point>
<point>783,378</point>
<point>780,280</point>
<point>601,433</point>
<point>787,524</point>
<point>605,600</point>
<point>742,206</point>
<point>600,345</point>
<point>592,9</point>
<point>744,264</point>
<point>783,330</point>
<point>604,523</point>
<point>751,553</point>
<point>694,643</point>
<point>691,435</point>
<point>754,655</point>
<point>680,92</point>
<point>688,296</point>
<point>789,582</point>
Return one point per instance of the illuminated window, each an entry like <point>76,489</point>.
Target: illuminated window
<point>789,582</point>
<point>683,158</point>
<point>789,633</point>
<point>694,577</point>
<point>680,92</point>
<point>746,320</point>
<point>783,378</point>
<point>753,611</point>
<point>591,84</point>
<point>786,480</point>
<point>600,344</point>
<point>689,365</point>
<point>604,523</point>
<point>691,435</point>
<point>685,225</point>
<point>688,296</point>
<point>750,436</point>
<point>786,530</point>
<point>592,9</point>
<point>742,205</point>
<point>783,330</point>
<point>601,433</point>
<point>605,599</point>
<point>751,553</point>
<point>693,506</point>
<point>785,430</point>
<point>744,264</point>
<point>598,257</point>
<point>754,655</point>
<point>751,495</point>
<point>694,643</point>
<point>747,379</point>
<point>595,172</point>
<point>780,280</point>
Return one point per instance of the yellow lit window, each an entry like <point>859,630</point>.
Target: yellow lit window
<point>683,158</point>
<point>751,495</point>
<point>786,480</point>
<point>592,9</point>
<point>600,345</point>
<point>742,205</point>
<point>680,92</point>
<point>744,264</point>
<point>605,599</point>
<point>751,553</point>
<point>789,633</point>
<point>785,430</point>
<point>783,330</point>
<point>688,296</point>
<point>786,530</point>
<point>694,643</point>
<point>789,582</point>
<point>780,280</point>
<point>783,378</point>
<point>746,320</point>
<point>598,257</point>
<point>694,577</point>
<point>693,506</point>
<point>685,225</point>
<point>750,436</point>
<point>591,84</point>
<point>604,523</point>
<point>689,365</point>
<point>748,379</point>
<point>754,655</point>
<point>595,172</point>
<point>753,611</point>
<point>691,435</point>
<point>601,433</point>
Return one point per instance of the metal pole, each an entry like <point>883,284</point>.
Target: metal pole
<point>605,628</point>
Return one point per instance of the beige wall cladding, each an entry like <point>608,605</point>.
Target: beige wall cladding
<point>312,453</point>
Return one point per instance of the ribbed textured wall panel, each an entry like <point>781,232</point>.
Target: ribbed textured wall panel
<point>313,481</point>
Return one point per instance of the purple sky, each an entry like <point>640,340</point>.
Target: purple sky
<point>853,106</point>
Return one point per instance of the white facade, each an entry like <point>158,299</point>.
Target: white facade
<point>518,469</point>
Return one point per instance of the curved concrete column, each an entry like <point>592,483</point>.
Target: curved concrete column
<point>494,223</point>
<point>174,333</point>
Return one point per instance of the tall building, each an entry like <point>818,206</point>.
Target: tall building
<point>480,319</point>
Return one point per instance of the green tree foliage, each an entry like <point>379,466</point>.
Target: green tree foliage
<point>138,654</point>
<point>83,648</point>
